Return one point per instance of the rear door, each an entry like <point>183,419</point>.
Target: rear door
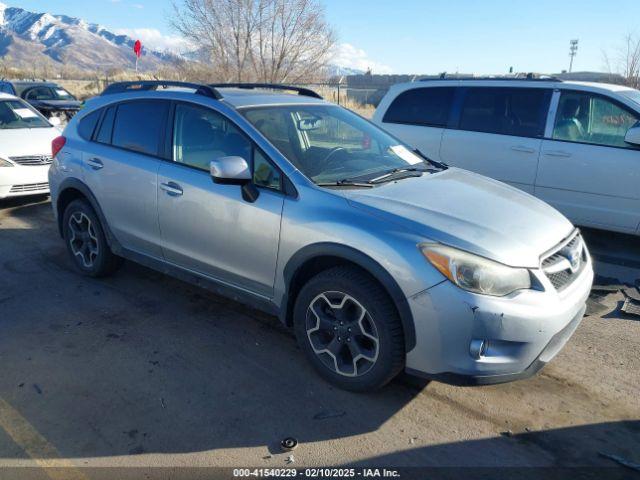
<point>121,168</point>
<point>418,117</point>
<point>497,132</point>
<point>587,170</point>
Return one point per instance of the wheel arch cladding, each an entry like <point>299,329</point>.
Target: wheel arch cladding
<point>73,189</point>
<point>313,259</point>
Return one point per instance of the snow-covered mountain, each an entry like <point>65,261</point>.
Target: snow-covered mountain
<point>28,38</point>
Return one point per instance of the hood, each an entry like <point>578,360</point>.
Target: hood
<point>470,212</point>
<point>27,141</point>
<point>59,104</point>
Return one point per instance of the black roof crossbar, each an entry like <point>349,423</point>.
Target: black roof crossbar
<point>307,92</point>
<point>145,85</point>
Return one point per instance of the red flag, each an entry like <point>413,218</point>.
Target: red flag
<point>137,48</point>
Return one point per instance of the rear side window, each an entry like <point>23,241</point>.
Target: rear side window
<point>505,111</point>
<point>106,127</point>
<point>421,106</point>
<point>138,126</point>
<point>88,124</point>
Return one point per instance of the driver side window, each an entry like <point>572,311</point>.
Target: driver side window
<point>40,93</point>
<point>201,135</point>
<point>587,118</point>
<point>264,173</point>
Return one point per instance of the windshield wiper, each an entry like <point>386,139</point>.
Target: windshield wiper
<point>440,165</point>
<point>345,182</point>
<point>394,174</point>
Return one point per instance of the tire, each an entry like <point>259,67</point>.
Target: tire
<point>356,362</point>
<point>86,242</point>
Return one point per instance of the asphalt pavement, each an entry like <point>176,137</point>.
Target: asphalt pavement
<point>140,369</point>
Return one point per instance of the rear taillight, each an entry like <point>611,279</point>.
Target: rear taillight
<point>56,145</point>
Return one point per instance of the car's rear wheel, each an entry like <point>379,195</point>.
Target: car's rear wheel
<point>349,329</point>
<point>86,242</point>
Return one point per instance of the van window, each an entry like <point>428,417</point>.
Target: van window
<point>589,118</point>
<point>139,124</point>
<point>421,106</point>
<point>505,111</point>
<point>88,124</point>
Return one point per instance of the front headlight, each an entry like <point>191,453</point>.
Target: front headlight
<point>5,163</point>
<point>475,274</point>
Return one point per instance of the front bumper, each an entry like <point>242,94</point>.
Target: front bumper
<point>23,180</point>
<point>521,332</point>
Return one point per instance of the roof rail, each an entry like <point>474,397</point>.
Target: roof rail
<point>271,86</point>
<point>529,77</point>
<point>144,85</point>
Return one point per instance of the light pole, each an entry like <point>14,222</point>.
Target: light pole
<point>573,51</point>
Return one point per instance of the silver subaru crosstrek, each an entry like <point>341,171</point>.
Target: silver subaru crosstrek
<point>379,258</point>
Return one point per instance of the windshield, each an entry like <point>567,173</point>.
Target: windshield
<point>330,144</point>
<point>16,114</point>
<point>633,95</point>
<point>62,94</point>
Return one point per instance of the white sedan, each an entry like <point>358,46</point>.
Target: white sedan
<point>25,148</point>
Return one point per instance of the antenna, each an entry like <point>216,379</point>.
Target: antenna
<point>573,51</point>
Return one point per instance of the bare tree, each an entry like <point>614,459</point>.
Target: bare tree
<point>627,61</point>
<point>258,40</point>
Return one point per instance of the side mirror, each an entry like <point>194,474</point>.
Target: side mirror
<point>55,121</point>
<point>230,170</point>
<point>235,171</point>
<point>633,135</point>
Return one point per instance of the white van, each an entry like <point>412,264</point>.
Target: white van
<point>575,145</point>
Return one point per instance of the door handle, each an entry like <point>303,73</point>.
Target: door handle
<point>95,163</point>
<point>557,153</point>
<point>523,149</point>
<point>172,189</point>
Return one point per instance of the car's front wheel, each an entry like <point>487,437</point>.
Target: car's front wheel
<point>349,329</point>
<point>86,242</point>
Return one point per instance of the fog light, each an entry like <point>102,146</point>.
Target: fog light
<point>477,348</point>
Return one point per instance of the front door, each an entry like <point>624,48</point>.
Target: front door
<point>209,228</point>
<point>587,170</point>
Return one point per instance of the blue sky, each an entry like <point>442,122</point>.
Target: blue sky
<point>420,36</point>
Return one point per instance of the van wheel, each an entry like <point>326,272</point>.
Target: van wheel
<point>349,329</point>
<point>86,242</point>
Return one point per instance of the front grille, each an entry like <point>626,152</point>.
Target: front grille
<point>32,160</point>
<point>561,279</point>
<point>29,187</point>
<point>566,263</point>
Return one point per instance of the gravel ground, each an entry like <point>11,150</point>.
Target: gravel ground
<point>143,370</point>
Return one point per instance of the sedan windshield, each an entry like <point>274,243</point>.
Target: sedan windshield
<point>331,145</point>
<point>16,114</point>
